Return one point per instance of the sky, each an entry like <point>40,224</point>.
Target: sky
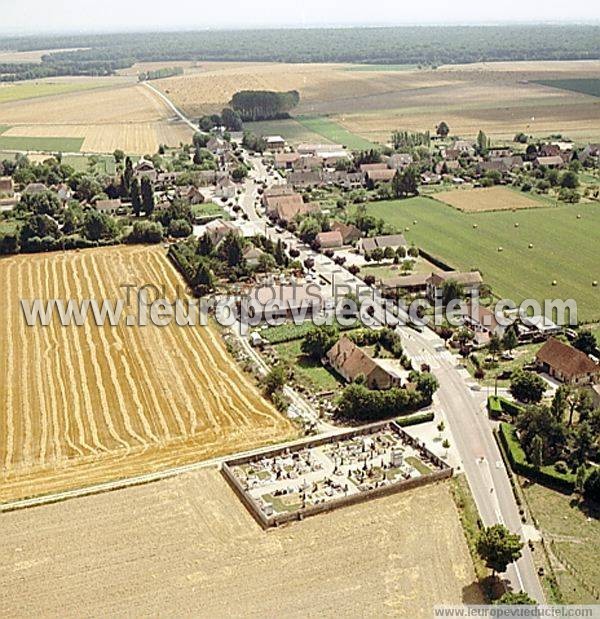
<point>56,16</point>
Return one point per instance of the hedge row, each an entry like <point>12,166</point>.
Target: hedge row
<point>547,475</point>
<point>497,405</point>
<point>415,419</point>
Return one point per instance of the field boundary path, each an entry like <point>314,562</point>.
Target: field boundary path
<point>172,106</point>
<point>146,478</point>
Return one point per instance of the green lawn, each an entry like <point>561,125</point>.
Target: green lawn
<point>334,132</point>
<point>41,144</point>
<point>573,538</point>
<point>523,355</point>
<point>310,373</point>
<point>105,163</point>
<point>289,128</point>
<point>564,249</point>
<point>587,86</point>
<point>208,209</point>
<point>32,90</point>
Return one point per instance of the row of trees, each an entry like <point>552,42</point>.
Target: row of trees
<point>255,105</point>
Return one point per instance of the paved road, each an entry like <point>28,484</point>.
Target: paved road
<point>470,427</point>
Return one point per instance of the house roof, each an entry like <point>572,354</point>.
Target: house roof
<point>468,278</point>
<point>405,281</point>
<point>287,211</point>
<point>390,240</point>
<point>381,175</point>
<point>480,315</point>
<point>369,167</point>
<point>108,205</point>
<point>554,160</point>
<point>330,239</point>
<point>345,355</point>
<point>252,253</point>
<point>6,183</point>
<point>286,157</point>
<point>287,296</point>
<point>565,359</point>
<point>348,231</point>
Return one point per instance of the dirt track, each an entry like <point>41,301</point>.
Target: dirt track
<point>82,405</point>
<point>186,546</point>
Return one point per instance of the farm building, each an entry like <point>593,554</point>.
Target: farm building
<point>370,167</point>
<point>252,255</point>
<point>555,161</point>
<point>304,178</point>
<point>111,207</point>
<point>399,161</point>
<point>380,176</point>
<point>283,300</point>
<point>483,322</point>
<point>145,169</point>
<point>218,229</point>
<point>567,364</point>
<point>350,362</point>
<point>391,286</point>
<point>7,187</point>
<point>285,161</point>
<point>394,241</point>
<point>470,281</point>
<point>275,143</point>
<point>350,233</point>
<point>329,240</point>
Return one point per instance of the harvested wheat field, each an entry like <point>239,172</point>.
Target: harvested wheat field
<point>500,98</point>
<point>188,545</point>
<point>81,405</point>
<point>487,199</point>
<point>131,118</point>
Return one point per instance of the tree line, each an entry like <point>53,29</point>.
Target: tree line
<point>394,45</point>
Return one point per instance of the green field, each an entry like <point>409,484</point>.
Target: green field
<point>565,248</point>
<point>308,372</point>
<point>573,538</point>
<point>3,128</point>
<point>33,90</point>
<point>334,132</point>
<point>587,86</point>
<point>105,164</point>
<point>288,128</point>
<point>51,145</point>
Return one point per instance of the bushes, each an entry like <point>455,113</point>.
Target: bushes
<point>546,475</point>
<point>497,405</point>
<point>359,403</point>
<point>415,419</point>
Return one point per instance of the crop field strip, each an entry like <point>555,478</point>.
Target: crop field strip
<point>400,554</point>
<point>125,399</point>
<point>487,199</point>
<point>128,117</point>
<point>564,247</point>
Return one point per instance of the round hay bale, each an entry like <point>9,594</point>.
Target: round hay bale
<point>595,282</point>
<point>475,226</point>
<point>530,245</point>
<point>579,216</point>
<point>406,229</point>
<point>500,248</point>
<point>554,282</point>
<point>516,224</point>
<point>414,222</point>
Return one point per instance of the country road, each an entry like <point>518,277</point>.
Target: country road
<point>469,424</point>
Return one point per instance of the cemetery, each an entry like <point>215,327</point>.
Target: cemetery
<point>317,475</point>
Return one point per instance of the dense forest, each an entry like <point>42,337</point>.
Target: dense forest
<point>402,45</point>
